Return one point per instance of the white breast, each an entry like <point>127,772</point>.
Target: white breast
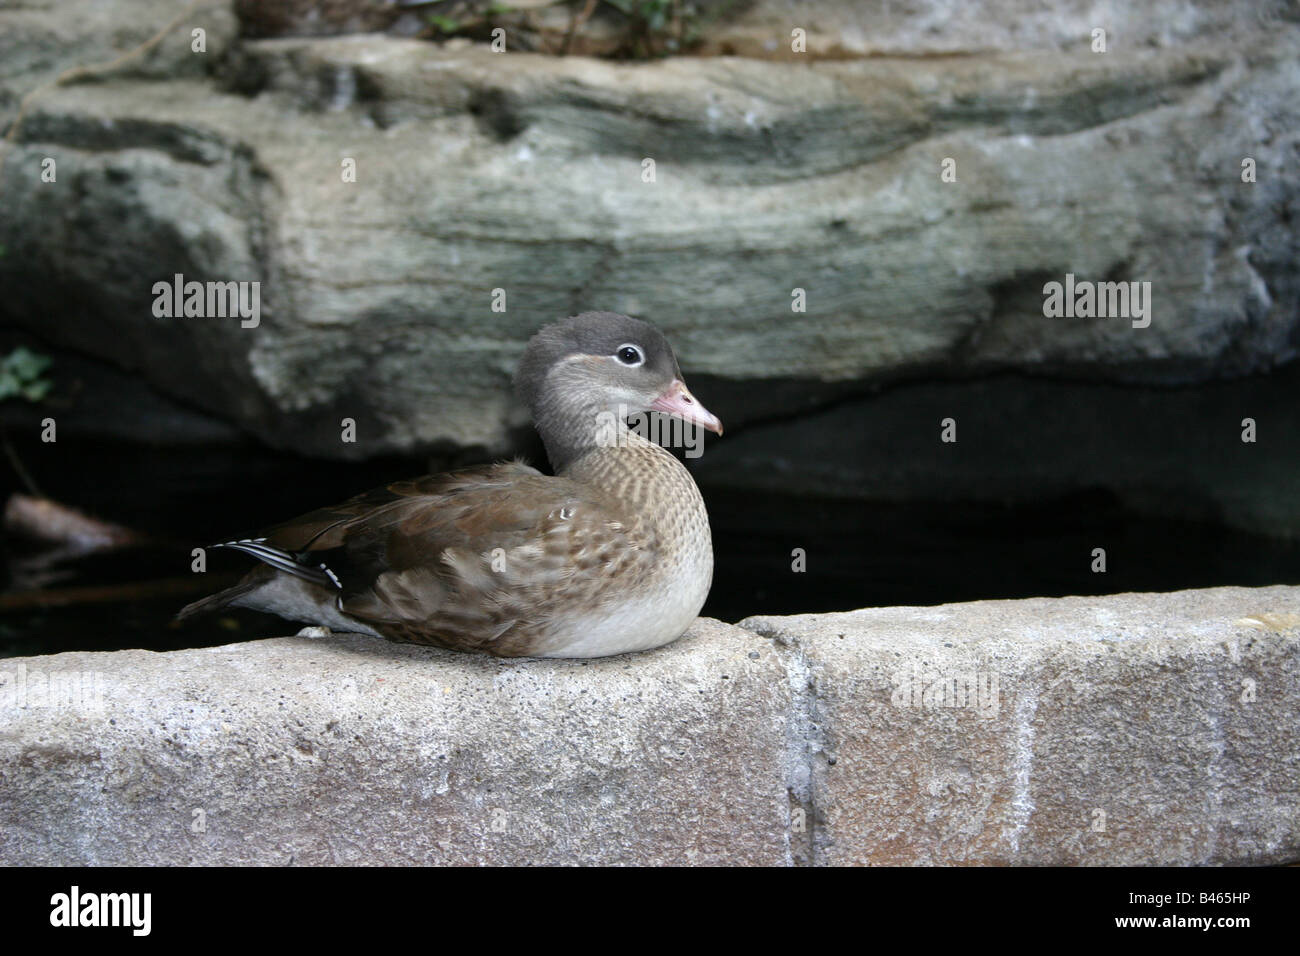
<point>641,623</point>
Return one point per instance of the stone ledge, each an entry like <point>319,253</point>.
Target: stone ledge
<point>1125,729</point>
<point>351,750</point>
<point>1136,728</point>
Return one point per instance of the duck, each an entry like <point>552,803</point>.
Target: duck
<point>609,555</point>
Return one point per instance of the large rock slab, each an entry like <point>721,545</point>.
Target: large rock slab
<point>1127,729</point>
<point>353,751</point>
<point>479,171</point>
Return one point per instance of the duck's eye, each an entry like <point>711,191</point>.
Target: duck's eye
<point>630,355</point>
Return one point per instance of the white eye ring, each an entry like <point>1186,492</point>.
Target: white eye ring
<point>640,356</point>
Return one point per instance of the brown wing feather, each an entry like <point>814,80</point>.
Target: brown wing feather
<point>477,559</point>
<point>324,528</point>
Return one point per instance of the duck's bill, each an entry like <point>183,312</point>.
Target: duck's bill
<point>679,401</point>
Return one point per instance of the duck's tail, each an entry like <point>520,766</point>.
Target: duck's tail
<point>298,565</point>
<point>215,602</point>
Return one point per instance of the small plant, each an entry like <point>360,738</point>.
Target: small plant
<point>447,25</point>
<point>21,375</point>
<point>654,27</point>
<point>655,13</point>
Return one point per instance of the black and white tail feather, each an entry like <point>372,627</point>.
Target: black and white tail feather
<point>295,564</point>
<point>299,565</point>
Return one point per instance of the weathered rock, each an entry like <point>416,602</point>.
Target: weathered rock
<point>1136,728</point>
<point>354,751</point>
<point>476,172</point>
<point>1128,729</point>
<point>849,28</point>
<point>40,39</point>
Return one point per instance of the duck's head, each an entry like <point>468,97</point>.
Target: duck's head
<point>575,370</point>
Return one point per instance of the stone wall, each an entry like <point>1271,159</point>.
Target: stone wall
<point>1132,729</point>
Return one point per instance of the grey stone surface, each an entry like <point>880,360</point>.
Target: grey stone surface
<point>1135,728</point>
<point>41,38</point>
<point>1127,729</point>
<point>850,28</point>
<point>350,750</point>
<point>522,172</point>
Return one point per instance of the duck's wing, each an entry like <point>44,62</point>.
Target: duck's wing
<point>328,528</point>
<point>475,559</point>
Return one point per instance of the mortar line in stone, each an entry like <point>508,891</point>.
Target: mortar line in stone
<point>800,731</point>
<point>1022,801</point>
<point>1213,790</point>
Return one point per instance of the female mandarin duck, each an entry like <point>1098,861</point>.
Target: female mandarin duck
<point>612,554</point>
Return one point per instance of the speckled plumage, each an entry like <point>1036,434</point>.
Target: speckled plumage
<point>612,554</point>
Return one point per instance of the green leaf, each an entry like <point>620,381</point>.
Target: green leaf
<point>37,390</point>
<point>20,375</point>
<point>26,364</point>
<point>445,24</point>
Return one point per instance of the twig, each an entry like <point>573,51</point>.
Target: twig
<point>18,466</point>
<point>107,594</point>
<point>575,24</point>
